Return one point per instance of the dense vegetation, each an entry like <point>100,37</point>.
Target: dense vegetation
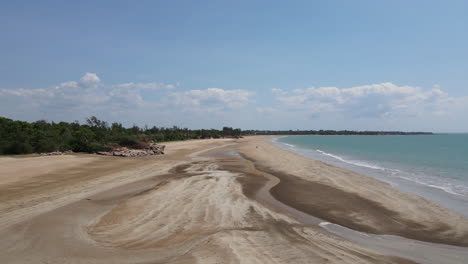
<point>19,137</point>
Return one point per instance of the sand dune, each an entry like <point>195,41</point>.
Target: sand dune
<point>200,203</point>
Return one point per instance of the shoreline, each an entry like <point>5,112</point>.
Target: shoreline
<point>365,204</point>
<point>419,251</point>
<point>209,201</point>
<point>437,194</point>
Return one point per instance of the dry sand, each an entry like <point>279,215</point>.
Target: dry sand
<point>206,201</point>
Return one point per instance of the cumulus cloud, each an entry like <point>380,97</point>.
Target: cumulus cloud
<point>131,100</point>
<point>278,91</point>
<point>153,86</point>
<point>90,79</point>
<point>211,99</point>
<point>77,99</point>
<point>373,106</point>
<point>23,92</point>
<point>265,110</point>
<point>375,100</point>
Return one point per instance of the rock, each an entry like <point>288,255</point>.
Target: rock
<point>55,153</point>
<point>148,150</point>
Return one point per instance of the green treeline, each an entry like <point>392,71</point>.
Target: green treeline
<point>19,137</point>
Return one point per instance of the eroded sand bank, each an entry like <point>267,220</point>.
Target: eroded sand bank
<point>206,201</point>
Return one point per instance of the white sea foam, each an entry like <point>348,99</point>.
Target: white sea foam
<point>433,182</point>
<point>429,181</point>
<point>444,188</point>
<point>356,163</point>
<point>446,185</point>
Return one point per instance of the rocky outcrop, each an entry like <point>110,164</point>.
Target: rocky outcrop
<point>152,149</point>
<point>55,153</point>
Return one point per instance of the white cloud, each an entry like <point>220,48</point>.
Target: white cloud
<point>23,92</point>
<point>278,91</point>
<point>77,99</point>
<point>265,110</point>
<point>90,79</point>
<point>153,86</point>
<point>211,99</point>
<point>375,100</point>
<point>374,106</point>
<point>129,102</point>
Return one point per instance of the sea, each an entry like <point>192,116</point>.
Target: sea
<point>432,166</point>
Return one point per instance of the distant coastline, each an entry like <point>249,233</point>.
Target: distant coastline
<point>20,137</point>
<point>332,133</point>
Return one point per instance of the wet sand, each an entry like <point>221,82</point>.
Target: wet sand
<point>353,200</point>
<point>206,201</point>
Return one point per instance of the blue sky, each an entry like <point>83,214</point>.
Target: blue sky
<point>389,65</point>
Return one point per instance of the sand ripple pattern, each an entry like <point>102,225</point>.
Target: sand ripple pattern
<point>185,207</point>
<point>204,216</point>
<point>203,202</point>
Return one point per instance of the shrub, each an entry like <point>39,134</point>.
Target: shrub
<point>45,145</point>
<point>95,147</point>
<point>18,148</point>
<point>127,141</point>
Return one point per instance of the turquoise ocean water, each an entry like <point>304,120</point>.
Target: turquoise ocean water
<point>433,166</point>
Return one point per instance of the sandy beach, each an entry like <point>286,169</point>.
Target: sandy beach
<point>214,201</point>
